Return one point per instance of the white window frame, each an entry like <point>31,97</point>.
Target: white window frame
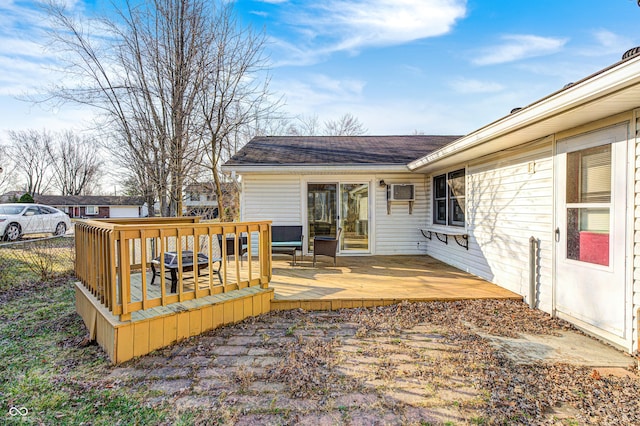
<point>448,199</point>
<point>91,210</point>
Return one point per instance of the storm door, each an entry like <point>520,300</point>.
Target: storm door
<point>590,188</point>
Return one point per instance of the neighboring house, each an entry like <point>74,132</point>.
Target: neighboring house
<point>564,170</point>
<point>11,196</point>
<point>200,199</point>
<point>95,206</point>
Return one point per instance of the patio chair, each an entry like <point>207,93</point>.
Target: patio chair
<point>326,246</point>
<point>231,246</point>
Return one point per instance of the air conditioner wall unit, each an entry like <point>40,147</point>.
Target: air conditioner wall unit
<point>401,192</point>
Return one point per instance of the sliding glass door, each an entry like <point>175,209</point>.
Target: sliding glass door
<point>339,205</point>
<point>322,210</point>
<point>354,217</point>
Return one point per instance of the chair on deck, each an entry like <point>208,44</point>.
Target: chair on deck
<point>326,246</point>
<point>242,242</point>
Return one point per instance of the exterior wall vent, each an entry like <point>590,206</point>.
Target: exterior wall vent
<point>631,53</point>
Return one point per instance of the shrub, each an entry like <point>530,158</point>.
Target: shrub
<point>36,260</point>
<point>26,198</point>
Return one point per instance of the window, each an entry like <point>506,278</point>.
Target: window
<point>93,210</point>
<point>32,211</point>
<point>449,198</point>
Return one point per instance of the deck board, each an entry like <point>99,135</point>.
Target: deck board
<point>384,279</point>
<point>379,277</point>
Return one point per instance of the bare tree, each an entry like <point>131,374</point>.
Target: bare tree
<point>309,125</point>
<point>29,152</point>
<point>305,125</point>
<point>346,125</point>
<point>139,185</point>
<point>144,74</point>
<point>7,167</point>
<point>179,82</point>
<point>234,99</point>
<point>75,165</point>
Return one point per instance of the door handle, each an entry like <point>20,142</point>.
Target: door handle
<point>557,235</point>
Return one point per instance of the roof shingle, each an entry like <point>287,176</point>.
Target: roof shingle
<point>336,150</point>
<point>88,200</point>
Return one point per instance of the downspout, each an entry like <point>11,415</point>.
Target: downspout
<point>533,266</point>
<point>554,220</point>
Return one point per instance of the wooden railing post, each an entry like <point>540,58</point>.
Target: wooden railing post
<point>125,277</point>
<point>265,254</point>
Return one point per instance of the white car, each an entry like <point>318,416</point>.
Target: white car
<point>17,220</point>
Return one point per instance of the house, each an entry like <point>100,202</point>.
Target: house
<point>544,201</point>
<point>200,199</point>
<point>325,182</point>
<point>96,206</point>
<point>11,196</point>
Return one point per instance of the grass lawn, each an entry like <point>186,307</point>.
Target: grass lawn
<point>46,365</point>
<point>405,364</point>
<point>48,369</point>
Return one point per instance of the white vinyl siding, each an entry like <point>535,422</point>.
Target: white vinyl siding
<point>399,232</point>
<point>506,205</point>
<point>272,197</point>
<point>280,198</point>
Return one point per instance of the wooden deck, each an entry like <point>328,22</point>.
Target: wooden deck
<point>373,281</point>
<point>365,281</point>
<point>393,278</point>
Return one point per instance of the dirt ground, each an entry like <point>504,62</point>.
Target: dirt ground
<point>421,363</point>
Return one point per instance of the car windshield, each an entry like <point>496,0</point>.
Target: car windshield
<point>11,209</point>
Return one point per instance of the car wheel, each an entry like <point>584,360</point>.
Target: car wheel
<point>12,232</point>
<point>61,228</point>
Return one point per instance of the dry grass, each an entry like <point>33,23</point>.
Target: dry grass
<point>408,364</point>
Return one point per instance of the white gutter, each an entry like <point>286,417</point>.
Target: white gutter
<point>618,77</point>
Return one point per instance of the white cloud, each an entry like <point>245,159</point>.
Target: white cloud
<point>27,68</point>
<point>351,25</point>
<point>607,43</point>
<point>519,46</point>
<point>317,91</point>
<point>465,85</point>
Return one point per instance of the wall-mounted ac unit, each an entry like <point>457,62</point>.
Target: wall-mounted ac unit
<point>401,192</point>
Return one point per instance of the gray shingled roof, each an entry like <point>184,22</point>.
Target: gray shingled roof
<point>88,200</point>
<point>336,150</point>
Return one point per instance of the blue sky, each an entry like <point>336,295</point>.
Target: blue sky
<point>432,66</point>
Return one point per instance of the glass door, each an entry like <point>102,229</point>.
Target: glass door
<point>346,205</point>
<point>322,211</point>
<point>590,176</point>
<point>354,217</point>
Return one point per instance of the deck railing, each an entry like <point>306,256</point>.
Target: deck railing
<point>116,260</point>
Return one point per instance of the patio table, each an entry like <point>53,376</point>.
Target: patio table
<point>188,263</point>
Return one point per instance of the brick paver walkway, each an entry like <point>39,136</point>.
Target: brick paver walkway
<point>408,364</point>
<point>306,368</point>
